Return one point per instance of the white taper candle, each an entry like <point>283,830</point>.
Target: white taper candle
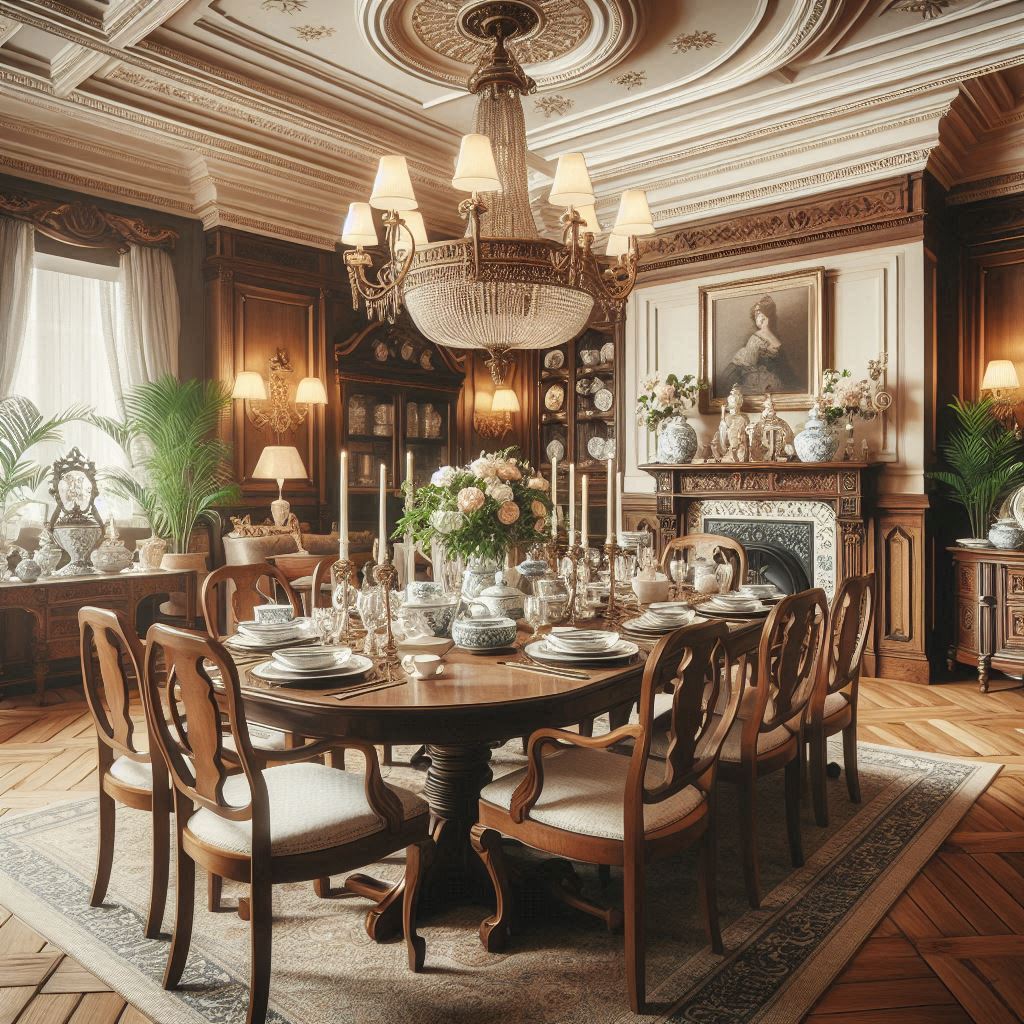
<point>554,498</point>
<point>343,510</point>
<point>572,504</point>
<point>610,501</point>
<point>584,512</point>
<point>382,524</point>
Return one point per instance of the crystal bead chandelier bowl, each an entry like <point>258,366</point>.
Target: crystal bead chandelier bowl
<point>500,287</point>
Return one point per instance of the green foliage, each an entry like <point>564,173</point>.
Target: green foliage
<point>660,400</point>
<point>984,460</point>
<point>22,427</point>
<point>181,470</point>
<point>435,510</point>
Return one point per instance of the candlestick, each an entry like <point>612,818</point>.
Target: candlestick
<point>610,502</point>
<point>341,597</point>
<point>585,513</point>
<point>343,513</point>
<point>385,574</point>
<point>382,524</point>
<point>612,550</point>
<point>574,555</point>
<point>554,498</point>
<point>572,503</point>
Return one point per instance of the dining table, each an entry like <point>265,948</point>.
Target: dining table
<point>480,702</point>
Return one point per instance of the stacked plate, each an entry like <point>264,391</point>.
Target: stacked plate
<point>660,618</point>
<point>581,646</point>
<point>305,665</point>
<point>734,605</point>
<point>762,591</point>
<point>266,636</point>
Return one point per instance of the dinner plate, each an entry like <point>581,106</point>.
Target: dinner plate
<point>554,398</point>
<point>603,400</point>
<point>554,360</point>
<point>555,450</point>
<point>239,642</point>
<point>608,352</point>
<point>271,672</point>
<point>541,652</point>
<point>595,447</point>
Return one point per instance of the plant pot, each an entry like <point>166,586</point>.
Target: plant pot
<point>151,553</point>
<point>194,560</point>
<point>677,441</point>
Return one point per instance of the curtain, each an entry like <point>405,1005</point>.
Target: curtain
<point>152,318</point>
<point>16,251</point>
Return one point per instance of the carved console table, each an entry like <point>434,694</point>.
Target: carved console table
<point>52,606</point>
<point>989,612</point>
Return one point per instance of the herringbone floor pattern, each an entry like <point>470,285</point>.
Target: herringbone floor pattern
<point>951,951</point>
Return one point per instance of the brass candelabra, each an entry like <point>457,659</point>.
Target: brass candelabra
<point>575,554</point>
<point>613,614</point>
<point>341,576</point>
<point>385,574</point>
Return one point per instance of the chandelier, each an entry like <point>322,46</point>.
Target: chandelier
<point>501,286</point>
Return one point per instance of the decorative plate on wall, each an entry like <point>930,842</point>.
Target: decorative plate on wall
<point>595,447</point>
<point>608,352</point>
<point>554,398</point>
<point>554,360</point>
<point>603,400</point>
<point>555,450</point>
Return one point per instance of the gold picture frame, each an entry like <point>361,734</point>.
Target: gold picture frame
<point>764,333</point>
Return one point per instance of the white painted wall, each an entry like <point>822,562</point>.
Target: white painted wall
<point>874,304</point>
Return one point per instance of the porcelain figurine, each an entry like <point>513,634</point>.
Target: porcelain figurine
<point>48,554</point>
<point>733,427</point>
<point>771,434</point>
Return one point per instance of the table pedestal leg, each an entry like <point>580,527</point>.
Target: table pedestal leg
<point>454,780</point>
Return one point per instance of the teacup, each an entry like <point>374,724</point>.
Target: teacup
<point>273,613</point>
<point>423,666</point>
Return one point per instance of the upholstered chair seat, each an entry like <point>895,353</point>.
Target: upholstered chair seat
<point>138,774</point>
<point>312,807</point>
<point>263,738</point>
<point>834,704</point>
<point>583,794</point>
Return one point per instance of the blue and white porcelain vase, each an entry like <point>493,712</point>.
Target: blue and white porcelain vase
<point>677,441</point>
<point>817,442</point>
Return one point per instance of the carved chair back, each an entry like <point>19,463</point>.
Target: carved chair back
<point>789,662</point>
<point>253,585</point>
<point>721,549</point>
<point>318,597</point>
<point>185,718</point>
<point>107,637</point>
<point>705,670</point>
<point>850,620</point>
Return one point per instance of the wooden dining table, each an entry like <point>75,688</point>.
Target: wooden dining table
<point>459,717</point>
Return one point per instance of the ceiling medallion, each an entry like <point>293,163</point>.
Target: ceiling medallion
<point>500,286</point>
<point>560,41</point>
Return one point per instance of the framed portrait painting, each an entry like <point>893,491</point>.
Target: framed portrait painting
<point>764,334</point>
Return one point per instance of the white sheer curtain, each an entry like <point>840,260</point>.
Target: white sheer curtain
<point>152,317</point>
<point>16,251</point>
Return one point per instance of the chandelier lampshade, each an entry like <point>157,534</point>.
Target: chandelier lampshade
<point>501,286</point>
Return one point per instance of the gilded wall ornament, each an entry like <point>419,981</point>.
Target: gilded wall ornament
<point>631,80</point>
<point>310,33</point>
<point>687,41</point>
<point>556,106</point>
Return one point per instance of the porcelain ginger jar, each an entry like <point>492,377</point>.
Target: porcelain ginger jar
<point>817,442</point>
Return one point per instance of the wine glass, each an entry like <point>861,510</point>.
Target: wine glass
<point>535,614</point>
<point>326,623</point>
<point>677,572</point>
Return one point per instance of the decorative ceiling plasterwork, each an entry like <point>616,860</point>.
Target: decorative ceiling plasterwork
<point>238,117</point>
<point>575,40</point>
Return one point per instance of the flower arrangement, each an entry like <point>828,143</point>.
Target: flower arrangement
<point>483,509</point>
<point>660,400</point>
<point>841,395</point>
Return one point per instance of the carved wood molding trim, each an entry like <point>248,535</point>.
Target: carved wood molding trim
<point>887,204</point>
<point>85,224</point>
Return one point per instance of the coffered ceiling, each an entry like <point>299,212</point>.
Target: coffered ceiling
<point>269,115</point>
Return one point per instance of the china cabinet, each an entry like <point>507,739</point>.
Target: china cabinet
<point>399,393</point>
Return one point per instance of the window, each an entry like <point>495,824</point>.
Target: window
<point>68,356</point>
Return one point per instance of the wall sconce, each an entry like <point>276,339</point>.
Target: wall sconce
<point>268,404</point>
<point>1002,384</point>
<point>494,419</point>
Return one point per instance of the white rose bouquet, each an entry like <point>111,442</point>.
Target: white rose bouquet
<point>483,509</point>
<point>660,400</point>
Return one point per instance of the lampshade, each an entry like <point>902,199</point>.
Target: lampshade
<point>311,391</point>
<point>618,245</point>
<point>279,462</point>
<point>1000,373</point>
<point>571,186</point>
<point>589,215</point>
<point>359,228</point>
<point>475,170</point>
<point>414,225</point>
<point>505,400</point>
<point>249,384</point>
<point>392,188</point>
<point>634,214</point>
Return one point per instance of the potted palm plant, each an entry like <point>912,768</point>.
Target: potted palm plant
<point>181,469</point>
<point>984,460</point>
<point>22,427</point>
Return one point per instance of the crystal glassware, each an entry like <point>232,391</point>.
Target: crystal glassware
<point>326,623</point>
<point>535,614</point>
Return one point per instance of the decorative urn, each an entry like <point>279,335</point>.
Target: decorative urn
<point>817,442</point>
<point>502,599</point>
<point>75,524</point>
<point>480,631</point>
<point>677,441</point>
<point>112,555</point>
<point>27,570</point>
<point>1006,534</point>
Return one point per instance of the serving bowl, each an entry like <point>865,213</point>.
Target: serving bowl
<point>314,657</point>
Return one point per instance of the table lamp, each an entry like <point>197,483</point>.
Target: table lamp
<point>279,462</point>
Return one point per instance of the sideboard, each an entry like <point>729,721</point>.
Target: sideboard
<point>989,612</point>
<point>52,607</point>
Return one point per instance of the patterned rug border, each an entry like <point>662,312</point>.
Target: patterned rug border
<point>803,989</point>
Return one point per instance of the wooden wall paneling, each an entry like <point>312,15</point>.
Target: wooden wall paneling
<point>521,378</point>
<point>904,599</point>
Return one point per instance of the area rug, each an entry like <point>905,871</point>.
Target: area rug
<point>562,967</point>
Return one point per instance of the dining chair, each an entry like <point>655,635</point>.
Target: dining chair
<point>127,773</point>
<point>318,596</point>
<point>588,802</point>
<point>245,587</point>
<point>297,821</point>
<point>768,732</point>
<point>722,549</point>
<point>834,706</point>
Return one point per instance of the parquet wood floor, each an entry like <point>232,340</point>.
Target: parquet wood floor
<point>951,950</point>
